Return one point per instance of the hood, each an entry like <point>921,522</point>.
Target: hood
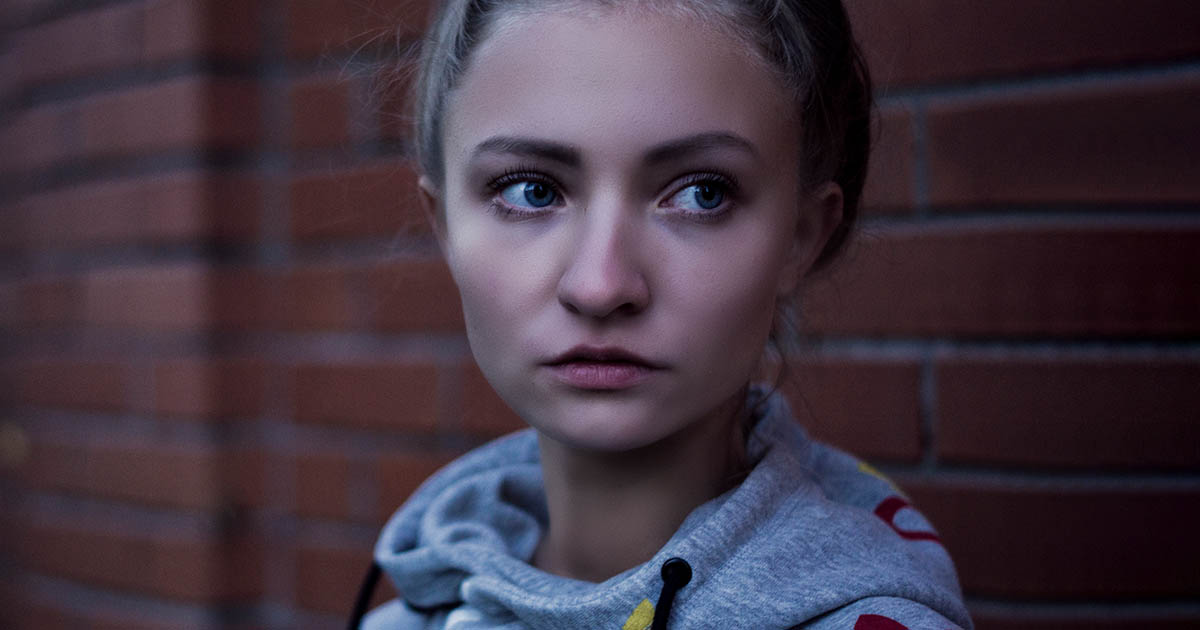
<point>810,526</point>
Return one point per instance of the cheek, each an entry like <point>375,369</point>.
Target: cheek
<point>735,303</point>
<point>502,285</point>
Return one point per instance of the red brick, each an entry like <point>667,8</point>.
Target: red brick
<point>177,29</point>
<point>320,112</point>
<point>312,297</point>
<point>173,208</point>
<point>484,412</point>
<point>401,474</point>
<point>85,42</point>
<point>202,388</point>
<point>393,101</point>
<point>930,41</point>
<point>68,616</point>
<point>1024,411</point>
<point>116,37</point>
<point>318,297</point>
<point>415,296</point>
<point>9,67</point>
<point>12,608</point>
<point>315,297</point>
<point>1139,617</point>
<point>15,13</point>
<point>1113,143</point>
<point>12,307</point>
<point>323,485</point>
<point>328,577</point>
<point>378,396</point>
<point>182,566</point>
<point>1013,280</point>
<point>1099,541</point>
<point>175,475</point>
<point>890,180</point>
<point>166,297</point>
<point>869,408</point>
<point>242,298</point>
<point>187,113</point>
<point>51,300</point>
<point>317,27</point>
<point>37,138</point>
<point>100,386</point>
<point>376,200</point>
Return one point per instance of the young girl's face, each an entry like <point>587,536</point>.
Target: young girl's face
<point>622,211</point>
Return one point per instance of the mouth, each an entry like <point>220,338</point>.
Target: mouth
<point>602,368</point>
<point>606,355</point>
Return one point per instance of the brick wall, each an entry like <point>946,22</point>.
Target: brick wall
<point>228,348</point>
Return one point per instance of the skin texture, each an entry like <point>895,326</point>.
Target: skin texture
<point>623,256</point>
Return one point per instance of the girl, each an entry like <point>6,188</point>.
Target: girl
<point>626,194</point>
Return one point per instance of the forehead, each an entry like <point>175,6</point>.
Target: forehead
<point>614,80</point>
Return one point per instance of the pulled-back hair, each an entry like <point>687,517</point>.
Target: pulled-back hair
<point>807,43</point>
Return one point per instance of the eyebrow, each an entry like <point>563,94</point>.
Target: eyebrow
<point>571,156</point>
<point>562,153</point>
<point>698,143</point>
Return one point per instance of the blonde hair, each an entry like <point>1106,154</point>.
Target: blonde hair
<point>807,43</point>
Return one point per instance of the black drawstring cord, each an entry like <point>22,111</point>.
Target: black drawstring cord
<point>364,597</point>
<point>676,573</point>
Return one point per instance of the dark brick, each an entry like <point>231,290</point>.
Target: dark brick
<point>1046,279</point>
<point>317,27</point>
<point>1109,143</point>
<point>320,112</point>
<point>401,474</point>
<point>375,200</point>
<point>933,41</point>
<point>484,412</point>
<point>891,178</point>
<point>203,388</point>
<point>869,408</point>
<point>378,396</point>
<point>417,295</point>
<point>1099,541</point>
<point>1097,413</point>
<point>182,566</point>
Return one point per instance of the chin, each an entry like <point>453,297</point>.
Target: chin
<point>603,426</point>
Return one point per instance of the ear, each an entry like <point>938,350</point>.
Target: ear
<point>819,214</point>
<point>430,199</point>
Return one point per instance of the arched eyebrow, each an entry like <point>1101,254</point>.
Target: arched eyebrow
<point>569,155</point>
<point>529,147</point>
<point>698,143</point>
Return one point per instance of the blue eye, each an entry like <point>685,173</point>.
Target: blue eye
<point>699,197</point>
<point>531,194</point>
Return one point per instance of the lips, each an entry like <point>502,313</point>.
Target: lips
<point>608,354</point>
<point>602,368</point>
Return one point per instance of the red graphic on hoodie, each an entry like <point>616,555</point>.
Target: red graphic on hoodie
<point>877,622</point>
<point>887,511</point>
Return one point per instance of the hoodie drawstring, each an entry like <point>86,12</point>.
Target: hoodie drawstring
<point>364,597</point>
<point>676,573</point>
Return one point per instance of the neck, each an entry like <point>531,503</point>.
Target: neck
<point>610,512</point>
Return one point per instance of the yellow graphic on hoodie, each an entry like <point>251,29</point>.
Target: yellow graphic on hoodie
<point>864,467</point>
<point>641,617</point>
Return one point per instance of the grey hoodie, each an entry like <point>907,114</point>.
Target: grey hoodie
<point>812,538</point>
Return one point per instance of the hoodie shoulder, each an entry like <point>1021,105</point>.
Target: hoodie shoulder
<point>882,613</point>
<point>846,480</point>
<point>396,615</point>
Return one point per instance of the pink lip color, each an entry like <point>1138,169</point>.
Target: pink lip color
<point>601,375</point>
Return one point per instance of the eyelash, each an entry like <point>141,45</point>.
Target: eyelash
<point>727,181</point>
<point>518,174</point>
<point>515,176</point>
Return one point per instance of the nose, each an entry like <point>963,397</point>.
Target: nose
<point>605,275</point>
